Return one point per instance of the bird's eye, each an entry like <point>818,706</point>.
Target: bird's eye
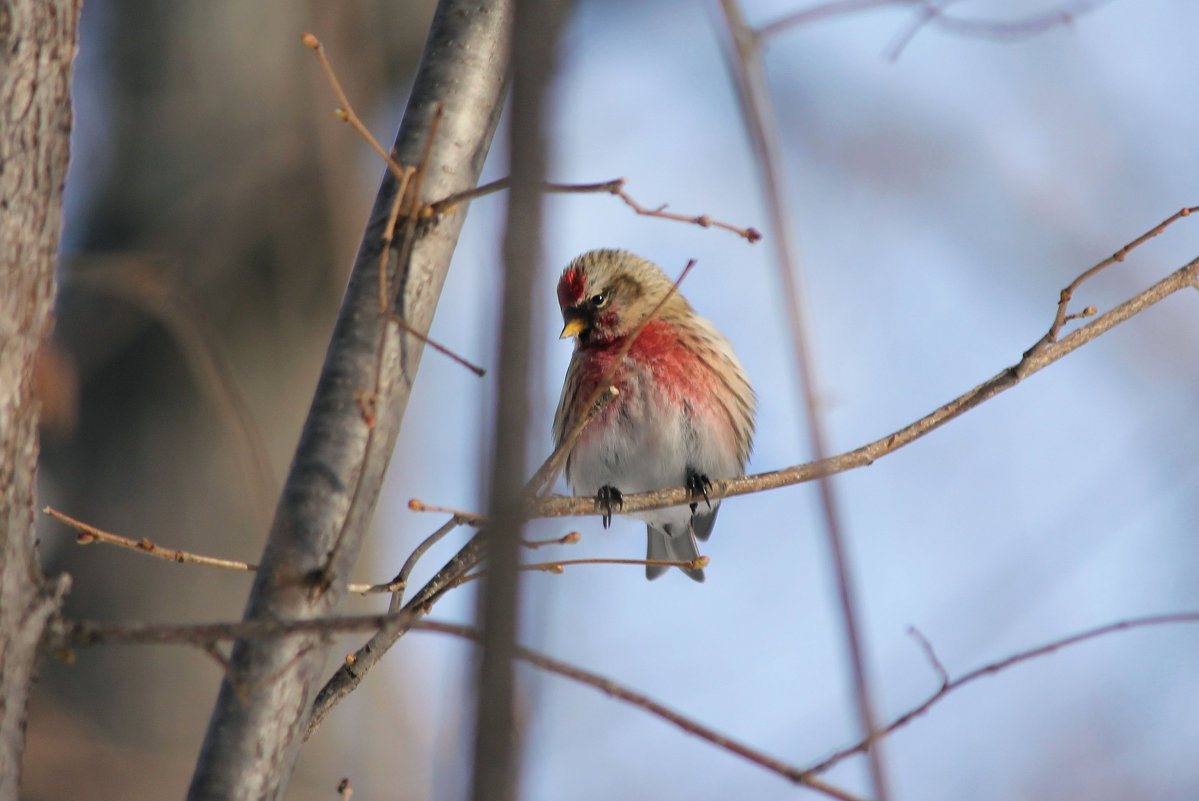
<point>599,299</point>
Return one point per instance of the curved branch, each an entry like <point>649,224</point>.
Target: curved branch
<point>948,686</point>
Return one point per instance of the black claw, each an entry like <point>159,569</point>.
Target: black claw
<point>607,498</point>
<point>699,484</point>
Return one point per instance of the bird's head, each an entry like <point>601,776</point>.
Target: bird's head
<point>604,294</point>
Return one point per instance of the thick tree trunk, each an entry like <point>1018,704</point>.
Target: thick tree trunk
<point>37,47</point>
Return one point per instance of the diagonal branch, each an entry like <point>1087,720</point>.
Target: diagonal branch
<point>1035,359</point>
<point>336,474</point>
<point>88,633</point>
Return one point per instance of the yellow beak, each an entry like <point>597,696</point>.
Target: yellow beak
<point>574,326</point>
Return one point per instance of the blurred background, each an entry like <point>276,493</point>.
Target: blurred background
<point>942,199</point>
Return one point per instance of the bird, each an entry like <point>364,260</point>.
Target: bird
<point>684,413</point>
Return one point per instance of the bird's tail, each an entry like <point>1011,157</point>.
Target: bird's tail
<point>668,545</point>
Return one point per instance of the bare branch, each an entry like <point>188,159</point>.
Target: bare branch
<point>345,112</point>
<point>613,187</point>
<point>928,12</point>
<point>89,534</point>
<point>1002,664</point>
<point>1068,293</point>
<point>88,633</point>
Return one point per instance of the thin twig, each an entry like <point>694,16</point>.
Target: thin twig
<point>996,30</point>
<point>1068,293</point>
<point>345,112</point>
<point>85,633</point>
<point>613,187</point>
<point>401,579</point>
<point>569,539</point>
<point>472,518</point>
<point>929,13</point>
<point>393,216</point>
<point>821,11</point>
<point>89,534</point>
<point>931,654</point>
<point>1002,664</point>
<point>437,346</point>
<point>543,480</point>
<point>698,563</point>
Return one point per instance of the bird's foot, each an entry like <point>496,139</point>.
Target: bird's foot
<point>699,484</point>
<point>606,500</point>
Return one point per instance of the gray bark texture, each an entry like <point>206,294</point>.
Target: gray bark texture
<point>330,493</point>
<point>37,43</point>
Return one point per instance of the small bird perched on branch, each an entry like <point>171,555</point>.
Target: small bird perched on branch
<point>685,411</point>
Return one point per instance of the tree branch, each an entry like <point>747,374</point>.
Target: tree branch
<point>334,481</point>
<point>88,633</point>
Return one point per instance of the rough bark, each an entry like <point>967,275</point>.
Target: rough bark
<point>330,493</point>
<point>37,43</point>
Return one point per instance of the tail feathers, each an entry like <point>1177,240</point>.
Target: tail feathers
<point>703,520</point>
<point>671,547</point>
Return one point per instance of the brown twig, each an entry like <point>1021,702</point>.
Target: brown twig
<point>401,579</point>
<point>613,187</point>
<point>560,566</point>
<point>928,12</point>
<point>89,534</point>
<point>437,346</point>
<point>927,647</point>
<point>543,480</point>
<point>999,30</point>
<point>1002,664</point>
<point>87,633</point>
<point>1067,294</point>
<point>472,518</point>
<point>404,202</point>
<point>393,217</point>
<point>345,112</point>
<point>569,539</point>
